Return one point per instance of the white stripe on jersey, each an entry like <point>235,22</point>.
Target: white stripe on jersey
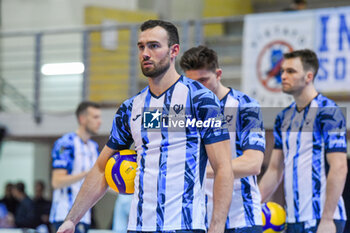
<point>136,113</point>
<point>305,163</point>
<point>175,168</point>
<point>288,160</point>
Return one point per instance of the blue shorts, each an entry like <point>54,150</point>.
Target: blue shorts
<point>253,229</point>
<point>303,227</point>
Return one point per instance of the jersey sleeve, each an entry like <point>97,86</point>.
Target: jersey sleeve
<point>251,126</point>
<point>120,137</point>
<point>333,128</point>
<point>277,132</point>
<point>208,111</point>
<point>63,153</point>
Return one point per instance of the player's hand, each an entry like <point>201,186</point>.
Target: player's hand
<point>326,226</point>
<point>67,227</point>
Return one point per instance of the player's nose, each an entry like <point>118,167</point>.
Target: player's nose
<point>283,75</point>
<point>145,54</point>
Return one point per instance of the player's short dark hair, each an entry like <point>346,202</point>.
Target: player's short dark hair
<point>173,35</point>
<point>200,57</point>
<point>20,187</point>
<point>83,106</point>
<point>308,59</point>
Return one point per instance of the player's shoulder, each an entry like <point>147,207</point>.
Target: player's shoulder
<point>196,89</point>
<point>328,110</point>
<point>132,99</point>
<point>128,103</point>
<point>323,101</point>
<point>243,98</point>
<point>192,85</point>
<point>67,140</point>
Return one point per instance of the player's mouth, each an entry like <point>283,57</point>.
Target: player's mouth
<point>147,64</point>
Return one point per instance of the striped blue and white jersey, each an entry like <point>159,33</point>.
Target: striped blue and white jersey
<point>169,132</point>
<point>71,153</point>
<point>305,138</point>
<point>245,124</point>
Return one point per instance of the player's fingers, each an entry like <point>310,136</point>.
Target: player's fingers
<point>66,227</point>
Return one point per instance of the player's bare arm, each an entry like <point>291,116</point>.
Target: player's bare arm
<point>219,157</point>
<point>93,188</point>
<point>335,184</point>
<point>61,178</point>
<point>273,175</point>
<point>249,164</point>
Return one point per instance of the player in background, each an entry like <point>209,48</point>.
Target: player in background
<point>309,152</point>
<point>247,139</point>
<point>73,155</point>
<point>169,191</point>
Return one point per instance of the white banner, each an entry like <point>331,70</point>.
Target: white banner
<point>268,36</point>
<point>332,46</point>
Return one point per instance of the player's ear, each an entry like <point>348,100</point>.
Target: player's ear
<point>218,72</point>
<point>309,77</point>
<point>82,119</point>
<point>174,50</point>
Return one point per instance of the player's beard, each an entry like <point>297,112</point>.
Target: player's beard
<point>91,131</point>
<point>157,69</point>
<point>287,91</point>
<point>295,88</point>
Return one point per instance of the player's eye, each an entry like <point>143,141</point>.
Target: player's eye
<point>153,46</point>
<point>203,80</point>
<point>141,47</point>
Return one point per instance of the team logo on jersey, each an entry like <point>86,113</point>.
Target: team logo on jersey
<point>152,119</point>
<point>307,121</point>
<point>229,118</point>
<point>178,108</point>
